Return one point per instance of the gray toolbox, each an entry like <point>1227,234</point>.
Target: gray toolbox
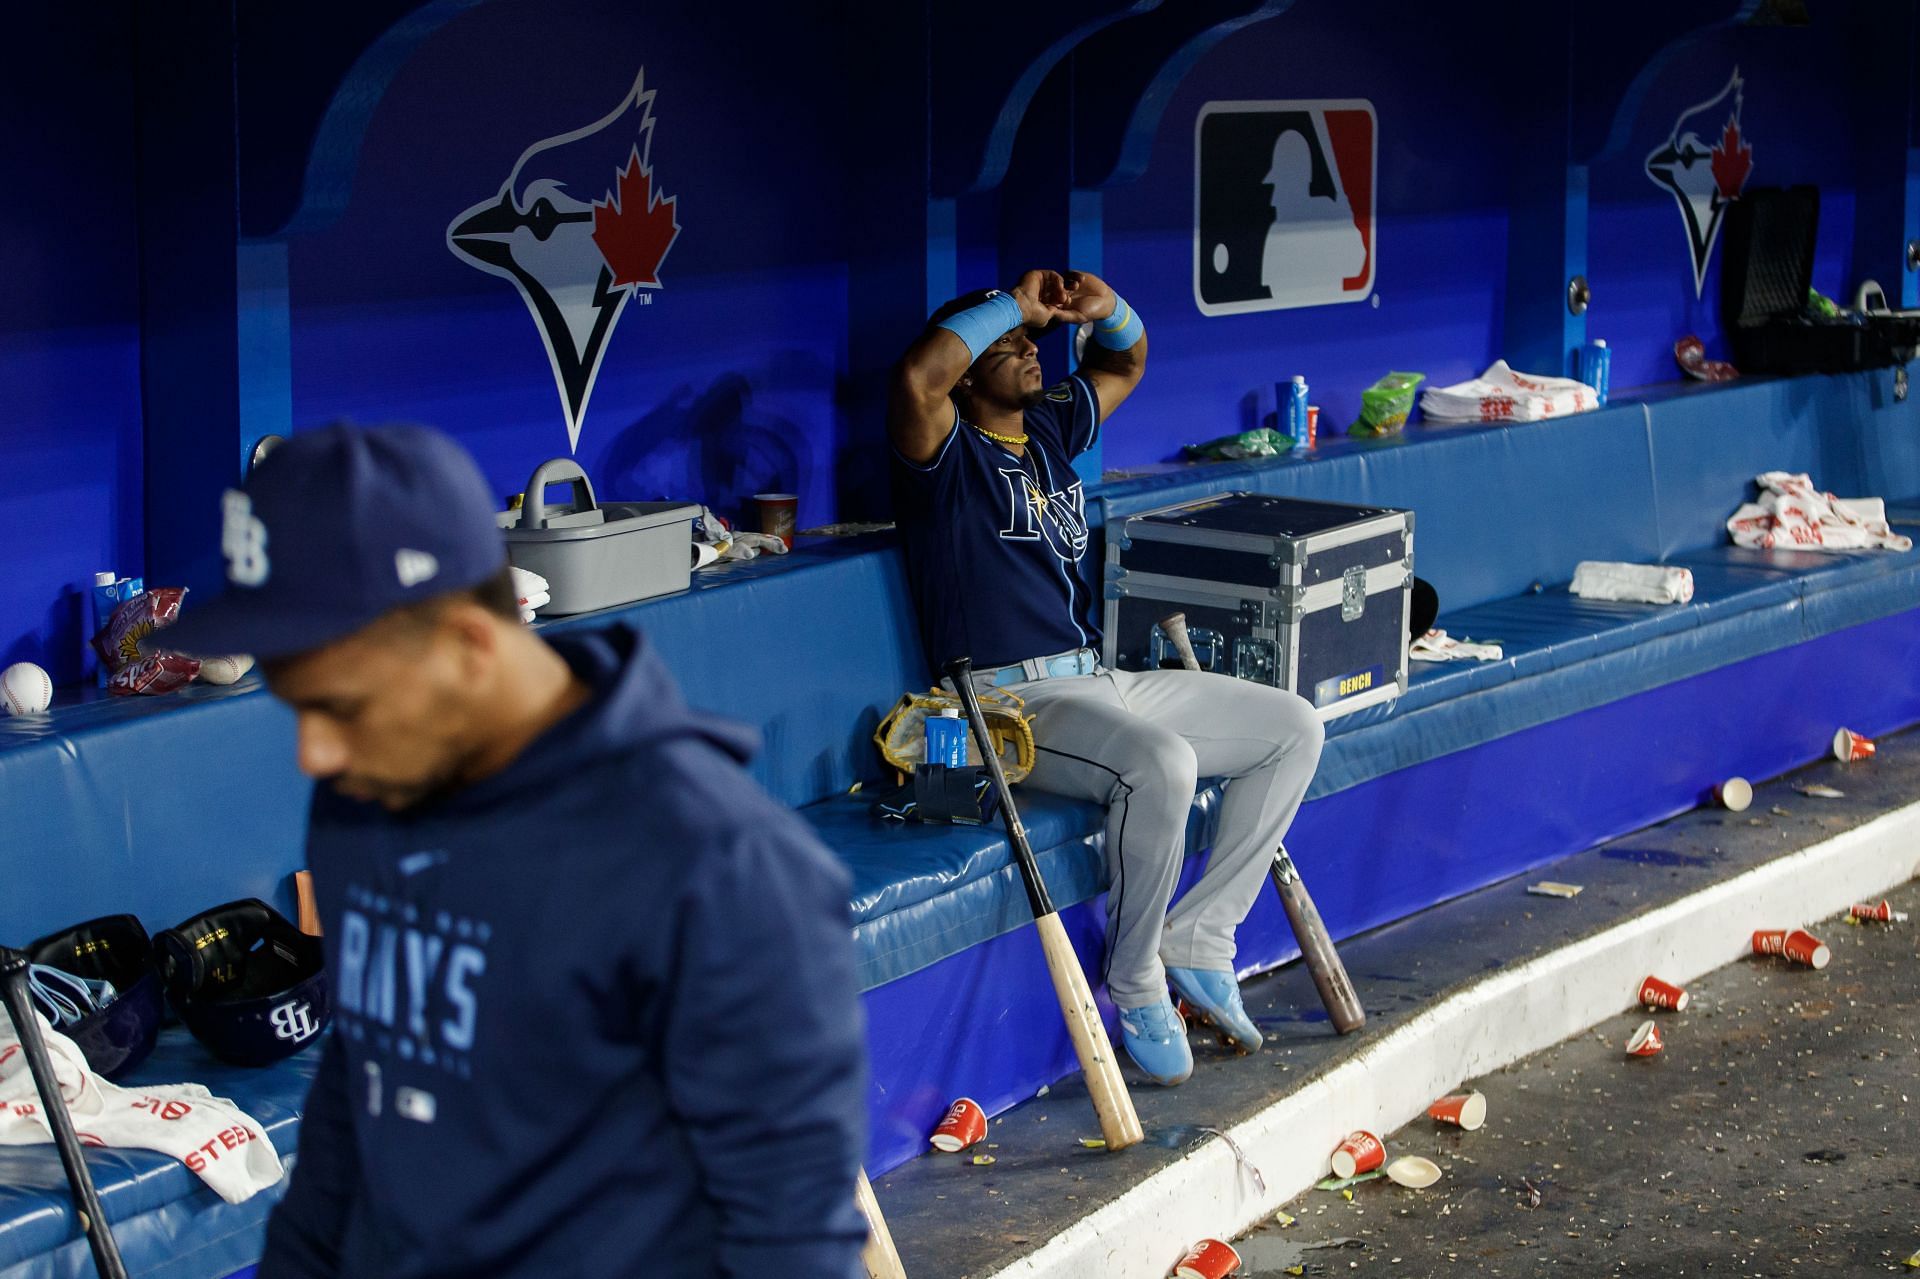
<point>595,554</point>
<point>1306,596</point>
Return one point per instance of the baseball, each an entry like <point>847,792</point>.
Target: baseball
<point>26,689</point>
<point>224,670</point>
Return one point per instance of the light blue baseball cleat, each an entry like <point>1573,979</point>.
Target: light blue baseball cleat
<point>1156,1039</point>
<point>1216,995</point>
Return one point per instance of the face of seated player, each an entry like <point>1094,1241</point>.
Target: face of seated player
<point>1006,377</point>
<point>393,714</point>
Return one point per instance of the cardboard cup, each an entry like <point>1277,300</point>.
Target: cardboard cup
<point>1645,1040</point>
<point>1466,1110</point>
<point>1208,1259</point>
<point>779,514</point>
<point>1734,794</point>
<point>964,1124</point>
<point>1797,944</point>
<point>1867,910</point>
<point>1360,1152</point>
<point>1850,748</point>
<point>1313,424</point>
<point>1655,993</point>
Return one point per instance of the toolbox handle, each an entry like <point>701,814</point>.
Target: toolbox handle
<point>559,470</point>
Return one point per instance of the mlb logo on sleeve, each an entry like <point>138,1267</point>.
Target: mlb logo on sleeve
<point>1283,196</point>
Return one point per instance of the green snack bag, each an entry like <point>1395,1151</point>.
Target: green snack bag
<point>1384,405</point>
<point>1263,442</point>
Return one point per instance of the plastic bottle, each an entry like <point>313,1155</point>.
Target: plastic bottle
<point>1596,367</point>
<point>947,739</point>
<point>1296,413</point>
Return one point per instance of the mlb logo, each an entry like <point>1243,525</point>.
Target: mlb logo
<point>1283,204</point>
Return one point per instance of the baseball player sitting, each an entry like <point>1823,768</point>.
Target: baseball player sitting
<point>594,993</point>
<point>993,521</point>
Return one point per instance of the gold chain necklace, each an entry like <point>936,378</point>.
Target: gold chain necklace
<point>1021,438</point>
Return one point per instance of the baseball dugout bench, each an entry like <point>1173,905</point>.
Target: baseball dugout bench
<point>1600,719</point>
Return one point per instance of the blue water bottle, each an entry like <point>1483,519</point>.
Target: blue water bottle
<point>1296,413</point>
<point>947,739</point>
<point>1596,367</point>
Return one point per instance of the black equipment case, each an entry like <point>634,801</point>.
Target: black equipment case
<point>1306,596</point>
<point>1764,278</point>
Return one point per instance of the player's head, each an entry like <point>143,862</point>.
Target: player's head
<point>367,576</point>
<point>1291,173</point>
<point>1006,377</point>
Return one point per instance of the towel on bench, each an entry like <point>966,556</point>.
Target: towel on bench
<point>210,1135</point>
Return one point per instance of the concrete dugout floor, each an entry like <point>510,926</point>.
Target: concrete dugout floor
<point>1773,1136</point>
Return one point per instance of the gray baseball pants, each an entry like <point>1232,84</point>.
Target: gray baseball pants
<point>1138,742</point>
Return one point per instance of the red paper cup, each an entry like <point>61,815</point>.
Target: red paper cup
<point>1360,1152</point>
<point>1797,944</point>
<point>965,1124</point>
<point>1734,794</point>
<point>779,514</point>
<point>1867,910</point>
<point>1645,1040</point>
<point>1655,993</point>
<point>1208,1259</point>
<point>1466,1110</point>
<point>1850,748</point>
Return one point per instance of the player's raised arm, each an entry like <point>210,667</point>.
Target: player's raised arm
<point>919,414</point>
<point>1116,353</point>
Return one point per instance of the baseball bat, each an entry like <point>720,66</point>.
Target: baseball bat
<point>1316,946</point>
<point>879,1256</point>
<point>86,1201</point>
<point>1111,1100</point>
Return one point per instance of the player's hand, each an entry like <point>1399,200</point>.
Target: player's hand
<point>1040,294</point>
<point>1085,298</point>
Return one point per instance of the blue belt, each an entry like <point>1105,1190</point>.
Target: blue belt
<point>1080,661</point>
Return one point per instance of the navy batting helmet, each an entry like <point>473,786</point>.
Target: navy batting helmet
<point>117,1035</point>
<point>249,985</point>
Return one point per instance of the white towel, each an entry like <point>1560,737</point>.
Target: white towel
<point>1437,646</point>
<point>1639,583</point>
<point>1502,395</point>
<point>1793,515</point>
<point>531,589</point>
<point>210,1135</point>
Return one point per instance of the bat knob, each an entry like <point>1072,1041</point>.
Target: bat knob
<point>959,668</point>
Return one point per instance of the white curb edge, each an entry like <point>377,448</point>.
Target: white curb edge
<point>1490,1024</point>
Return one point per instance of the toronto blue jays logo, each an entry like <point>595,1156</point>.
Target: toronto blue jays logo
<point>579,229</point>
<point>1704,179</point>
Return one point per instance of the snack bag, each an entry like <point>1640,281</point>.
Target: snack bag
<point>1384,405</point>
<point>118,642</point>
<point>1263,442</point>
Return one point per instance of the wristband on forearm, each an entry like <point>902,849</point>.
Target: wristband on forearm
<point>1119,331</point>
<point>981,326</point>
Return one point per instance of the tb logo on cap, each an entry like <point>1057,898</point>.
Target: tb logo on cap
<point>243,540</point>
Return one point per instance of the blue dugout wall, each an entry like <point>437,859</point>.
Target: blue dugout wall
<point>235,220</point>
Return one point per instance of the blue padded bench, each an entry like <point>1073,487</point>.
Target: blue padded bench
<point>1601,718</point>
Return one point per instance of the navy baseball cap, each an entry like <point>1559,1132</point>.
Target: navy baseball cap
<point>335,528</point>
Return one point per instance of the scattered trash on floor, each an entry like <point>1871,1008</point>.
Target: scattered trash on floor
<point>1342,1183</point>
<point>1645,1040</point>
<point>1797,944</point>
<point>1413,1172</point>
<point>1467,1110</point>
<point>981,1161</point>
<point>1850,747</point>
<point>1883,912</point>
<point>1240,1157</point>
<point>1551,888</point>
<point>1655,993</point>
<point>1816,790</point>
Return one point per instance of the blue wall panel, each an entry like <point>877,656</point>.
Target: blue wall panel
<point>69,335</point>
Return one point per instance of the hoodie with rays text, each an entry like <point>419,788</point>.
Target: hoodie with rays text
<point>594,1015</point>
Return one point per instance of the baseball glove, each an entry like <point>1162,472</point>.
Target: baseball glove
<point>902,735</point>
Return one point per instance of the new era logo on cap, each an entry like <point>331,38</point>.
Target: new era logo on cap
<point>414,567</point>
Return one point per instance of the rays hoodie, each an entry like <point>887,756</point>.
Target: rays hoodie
<point>595,1015</point>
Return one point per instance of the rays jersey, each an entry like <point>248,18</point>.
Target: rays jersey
<point>996,543</point>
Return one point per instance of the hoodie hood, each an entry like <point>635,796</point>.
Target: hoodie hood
<point>635,704</point>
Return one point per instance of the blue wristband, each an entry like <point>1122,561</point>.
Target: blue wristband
<point>1119,331</point>
<point>981,326</point>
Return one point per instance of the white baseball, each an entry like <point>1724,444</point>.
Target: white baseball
<point>224,670</point>
<point>26,689</point>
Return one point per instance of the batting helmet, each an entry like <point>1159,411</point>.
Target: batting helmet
<point>248,984</point>
<point>117,1035</point>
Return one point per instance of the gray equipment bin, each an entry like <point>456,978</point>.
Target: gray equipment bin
<point>596,555</point>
